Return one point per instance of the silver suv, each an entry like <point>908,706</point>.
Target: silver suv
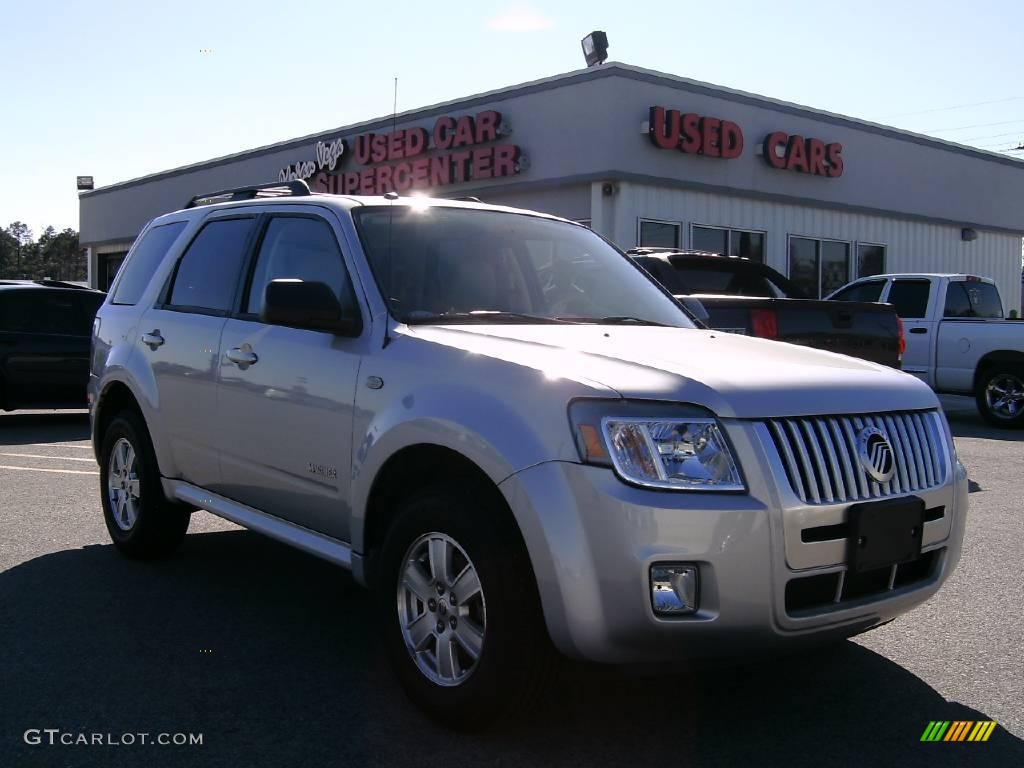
<point>512,435</point>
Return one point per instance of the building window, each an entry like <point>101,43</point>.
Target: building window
<point>870,259</point>
<point>819,267</point>
<point>658,234</point>
<point>108,265</point>
<point>734,242</point>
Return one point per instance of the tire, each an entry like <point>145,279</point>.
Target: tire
<point>1000,396</point>
<point>515,653</point>
<point>145,525</point>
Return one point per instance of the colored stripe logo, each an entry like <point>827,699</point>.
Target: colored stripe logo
<point>958,730</point>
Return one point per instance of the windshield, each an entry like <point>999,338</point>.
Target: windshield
<point>459,265</point>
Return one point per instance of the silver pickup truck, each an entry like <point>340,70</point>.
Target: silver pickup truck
<point>518,440</point>
<point>957,340</point>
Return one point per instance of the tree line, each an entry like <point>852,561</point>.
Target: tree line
<point>54,255</point>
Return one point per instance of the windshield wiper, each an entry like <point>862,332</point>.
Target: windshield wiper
<point>613,320</point>
<point>482,316</point>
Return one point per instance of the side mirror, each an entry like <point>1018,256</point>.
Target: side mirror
<point>311,305</point>
<point>695,307</point>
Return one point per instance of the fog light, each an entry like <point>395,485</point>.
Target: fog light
<point>674,589</point>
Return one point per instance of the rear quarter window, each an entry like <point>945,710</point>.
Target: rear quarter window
<point>143,262</point>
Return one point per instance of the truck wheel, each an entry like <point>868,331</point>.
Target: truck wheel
<point>140,520</point>
<point>459,610</point>
<point>1000,397</point>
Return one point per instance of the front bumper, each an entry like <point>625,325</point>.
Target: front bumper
<point>592,541</point>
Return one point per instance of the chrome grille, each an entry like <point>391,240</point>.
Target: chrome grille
<point>820,455</point>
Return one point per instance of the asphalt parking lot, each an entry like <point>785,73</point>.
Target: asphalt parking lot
<point>269,653</point>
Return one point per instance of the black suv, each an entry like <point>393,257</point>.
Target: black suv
<point>45,331</point>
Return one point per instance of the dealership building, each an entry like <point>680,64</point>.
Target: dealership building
<point>647,158</point>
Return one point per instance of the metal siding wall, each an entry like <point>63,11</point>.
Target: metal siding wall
<point>911,246</point>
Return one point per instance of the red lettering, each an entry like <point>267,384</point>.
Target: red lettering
<point>772,143</point>
<point>366,186</point>
<point>690,141</point>
<point>420,172</point>
<point>415,141</point>
<point>796,155</point>
<point>710,136</point>
<point>396,149</point>
<point>379,147</point>
<point>349,183</point>
<point>732,139</point>
<point>321,183</point>
<point>663,127</point>
<point>505,158</point>
<point>443,132</point>
<point>833,154</point>
<point>402,177</point>
<point>487,126</point>
<point>463,132</point>
<point>362,152</point>
<point>460,165</point>
<point>440,171</point>
<point>483,163</point>
<point>816,156</point>
<point>384,179</point>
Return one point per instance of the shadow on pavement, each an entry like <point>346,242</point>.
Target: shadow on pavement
<point>293,677</point>
<point>51,427</point>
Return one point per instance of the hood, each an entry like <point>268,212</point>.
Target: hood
<point>732,375</point>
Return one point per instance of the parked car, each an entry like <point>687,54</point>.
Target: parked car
<point>45,329</point>
<point>513,436</point>
<point>744,296</point>
<point>957,339</point>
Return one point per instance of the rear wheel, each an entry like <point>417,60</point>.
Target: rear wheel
<point>459,609</point>
<point>1000,397</point>
<point>141,522</point>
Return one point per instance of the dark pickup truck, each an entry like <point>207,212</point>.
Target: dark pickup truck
<point>744,296</point>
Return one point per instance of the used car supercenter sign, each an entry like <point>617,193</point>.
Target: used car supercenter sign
<point>694,134</point>
<point>455,151</point>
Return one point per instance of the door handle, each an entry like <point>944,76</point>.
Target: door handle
<point>242,356</point>
<point>919,330</point>
<point>153,339</point>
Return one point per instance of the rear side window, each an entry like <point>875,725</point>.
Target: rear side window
<point>910,297</point>
<point>208,272</point>
<point>732,282</point>
<point>43,311</point>
<point>871,291</point>
<point>957,303</point>
<point>144,261</point>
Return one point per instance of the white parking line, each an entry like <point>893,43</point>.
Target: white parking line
<point>40,456</point>
<point>58,471</point>
<point>62,445</point>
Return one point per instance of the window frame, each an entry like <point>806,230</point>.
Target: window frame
<point>641,220</point>
<point>819,240</point>
<point>252,257</point>
<point>885,258</point>
<point>728,238</point>
<point>163,300</point>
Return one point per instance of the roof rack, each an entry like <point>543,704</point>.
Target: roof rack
<point>296,188</point>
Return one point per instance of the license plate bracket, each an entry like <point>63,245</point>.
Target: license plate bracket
<point>884,533</point>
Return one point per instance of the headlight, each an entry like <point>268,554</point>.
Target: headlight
<point>666,447</point>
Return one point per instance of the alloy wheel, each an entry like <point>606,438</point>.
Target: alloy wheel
<point>123,484</point>
<point>441,609</point>
<point>1005,396</point>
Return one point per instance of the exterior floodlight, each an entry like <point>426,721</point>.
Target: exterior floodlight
<point>595,48</point>
<point>84,182</point>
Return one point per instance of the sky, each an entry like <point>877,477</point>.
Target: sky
<point>118,90</point>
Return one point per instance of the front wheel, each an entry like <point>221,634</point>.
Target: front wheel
<point>459,610</point>
<point>1000,397</point>
<point>141,522</point>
